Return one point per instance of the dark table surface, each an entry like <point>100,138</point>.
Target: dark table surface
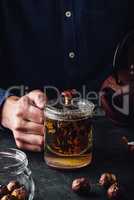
<point>109,155</point>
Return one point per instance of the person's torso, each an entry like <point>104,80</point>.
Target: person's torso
<point>62,43</point>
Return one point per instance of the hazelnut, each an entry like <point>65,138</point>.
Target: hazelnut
<point>3,190</point>
<point>20,193</point>
<point>81,185</point>
<point>12,185</point>
<point>115,192</point>
<point>8,197</point>
<point>107,179</point>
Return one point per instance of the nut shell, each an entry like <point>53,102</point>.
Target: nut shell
<point>107,179</point>
<point>12,185</point>
<point>81,185</point>
<point>20,193</point>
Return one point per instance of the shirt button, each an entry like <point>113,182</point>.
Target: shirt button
<point>68,14</point>
<point>71,55</point>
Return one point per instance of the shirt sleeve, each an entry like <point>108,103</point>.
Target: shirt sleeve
<point>3,95</point>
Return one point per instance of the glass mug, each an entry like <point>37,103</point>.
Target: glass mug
<point>68,134</point>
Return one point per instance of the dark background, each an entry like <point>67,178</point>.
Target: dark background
<point>35,38</point>
<point>109,155</point>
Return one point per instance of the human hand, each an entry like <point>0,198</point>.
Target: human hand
<point>25,117</point>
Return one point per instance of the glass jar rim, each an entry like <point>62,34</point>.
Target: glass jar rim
<point>11,154</point>
<point>84,109</point>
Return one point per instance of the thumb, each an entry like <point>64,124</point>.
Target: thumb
<point>38,98</point>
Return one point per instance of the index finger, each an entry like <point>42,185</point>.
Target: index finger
<point>34,114</point>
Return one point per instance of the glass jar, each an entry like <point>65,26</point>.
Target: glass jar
<point>15,176</point>
<point>69,137</point>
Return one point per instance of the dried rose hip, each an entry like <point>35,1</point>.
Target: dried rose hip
<point>107,179</point>
<point>8,197</point>
<point>115,192</point>
<point>3,190</point>
<point>81,185</point>
<point>124,140</point>
<point>20,193</point>
<point>12,185</point>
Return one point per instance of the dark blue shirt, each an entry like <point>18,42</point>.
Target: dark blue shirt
<point>62,43</point>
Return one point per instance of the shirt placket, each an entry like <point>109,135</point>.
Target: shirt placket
<point>70,52</point>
